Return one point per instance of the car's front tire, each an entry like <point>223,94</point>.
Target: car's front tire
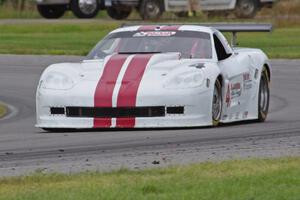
<point>51,11</point>
<point>217,103</point>
<point>263,96</point>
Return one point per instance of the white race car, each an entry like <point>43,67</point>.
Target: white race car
<point>157,76</point>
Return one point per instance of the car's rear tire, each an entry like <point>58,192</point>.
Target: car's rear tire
<point>51,11</point>
<point>246,8</point>
<point>217,103</point>
<point>151,9</point>
<point>118,14</point>
<point>85,8</point>
<point>263,96</point>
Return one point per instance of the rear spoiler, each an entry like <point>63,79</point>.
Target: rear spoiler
<point>234,28</point>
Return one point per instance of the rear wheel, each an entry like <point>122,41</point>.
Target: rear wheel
<point>263,96</point>
<point>117,13</point>
<point>217,103</point>
<point>85,8</point>
<point>51,11</point>
<point>151,9</point>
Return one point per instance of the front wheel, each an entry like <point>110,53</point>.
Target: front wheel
<point>217,103</point>
<point>85,8</point>
<point>117,13</point>
<point>51,11</point>
<point>151,9</point>
<point>263,96</point>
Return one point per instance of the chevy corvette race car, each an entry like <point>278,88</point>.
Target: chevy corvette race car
<point>157,76</point>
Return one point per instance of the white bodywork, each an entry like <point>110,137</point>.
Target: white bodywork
<point>240,75</point>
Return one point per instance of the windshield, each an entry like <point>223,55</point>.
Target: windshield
<point>191,44</point>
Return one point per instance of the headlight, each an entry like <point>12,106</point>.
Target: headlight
<point>186,80</point>
<point>58,81</point>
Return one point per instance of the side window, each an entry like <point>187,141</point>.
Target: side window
<point>220,50</point>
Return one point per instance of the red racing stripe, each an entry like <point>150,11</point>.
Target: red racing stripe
<point>130,85</point>
<point>105,87</point>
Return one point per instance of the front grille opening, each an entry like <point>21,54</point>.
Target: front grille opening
<point>119,112</point>
<point>175,110</point>
<point>57,111</point>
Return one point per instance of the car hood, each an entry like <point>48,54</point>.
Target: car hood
<point>157,67</point>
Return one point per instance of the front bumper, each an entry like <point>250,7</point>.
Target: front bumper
<point>196,104</point>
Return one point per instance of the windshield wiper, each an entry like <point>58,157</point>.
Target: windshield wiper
<point>132,52</point>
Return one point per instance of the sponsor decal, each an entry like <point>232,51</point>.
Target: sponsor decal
<point>236,90</point>
<point>103,93</point>
<point>247,82</point>
<point>155,34</point>
<point>128,92</point>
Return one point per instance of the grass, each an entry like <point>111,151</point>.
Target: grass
<point>68,39</point>
<point>78,39</point>
<point>3,110</point>
<point>254,179</point>
<point>7,12</point>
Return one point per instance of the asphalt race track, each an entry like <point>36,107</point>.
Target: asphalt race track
<point>25,149</point>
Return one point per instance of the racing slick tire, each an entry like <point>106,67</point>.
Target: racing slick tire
<point>246,8</point>
<point>151,9</point>
<point>84,9</point>
<point>263,96</point>
<point>117,14</point>
<point>51,11</point>
<point>217,103</point>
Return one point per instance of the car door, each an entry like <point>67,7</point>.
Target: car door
<point>236,72</point>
